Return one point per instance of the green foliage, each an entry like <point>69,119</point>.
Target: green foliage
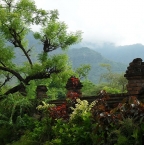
<point>127,133</point>
<point>31,90</point>
<point>5,51</point>
<point>39,132</point>
<point>111,90</point>
<point>45,106</point>
<point>56,32</point>
<point>11,105</point>
<point>114,80</point>
<point>89,124</point>
<point>81,111</point>
<point>24,140</point>
<point>83,71</point>
<point>12,132</point>
<point>73,133</point>
<point>6,131</point>
<point>88,88</point>
<point>17,17</point>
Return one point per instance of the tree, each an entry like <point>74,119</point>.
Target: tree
<point>122,81</point>
<point>109,76</point>
<point>83,71</point>
<point>17,17</point>
<point>114,80</point>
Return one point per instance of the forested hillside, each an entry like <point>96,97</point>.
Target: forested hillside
<point>89,56</point>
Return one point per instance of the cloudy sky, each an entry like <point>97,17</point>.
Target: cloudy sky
<point>117,21</point>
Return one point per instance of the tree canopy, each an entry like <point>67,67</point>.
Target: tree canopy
<point>17,19</point>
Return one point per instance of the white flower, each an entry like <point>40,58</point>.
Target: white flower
<point>132,105</point>
<point>101,114</point>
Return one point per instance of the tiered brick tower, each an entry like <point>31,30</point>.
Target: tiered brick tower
<point>135,77</point>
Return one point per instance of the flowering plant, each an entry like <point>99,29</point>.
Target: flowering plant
<point>57,112</point>
<point>81,110</point>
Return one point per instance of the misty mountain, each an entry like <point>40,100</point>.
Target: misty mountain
<point>86,55</point>
<point>124,54</point>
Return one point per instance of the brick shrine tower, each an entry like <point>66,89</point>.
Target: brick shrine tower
<point>135,77</point>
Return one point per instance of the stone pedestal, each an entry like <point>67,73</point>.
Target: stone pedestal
<point>41,91</point>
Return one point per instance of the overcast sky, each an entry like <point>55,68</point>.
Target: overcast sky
<point>117,21</point>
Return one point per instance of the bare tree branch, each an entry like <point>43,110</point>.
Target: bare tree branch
<point>6,80</point>
<point>14,89</point>
<point>12,72</point>
<point>41,75</point>
<point>21,31</point>
<point>2,64</point>
<point>17,42</point>
<point>47,46</point>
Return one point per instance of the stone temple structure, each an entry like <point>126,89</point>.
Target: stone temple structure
<point>135,87</point>
<point>135,77</point>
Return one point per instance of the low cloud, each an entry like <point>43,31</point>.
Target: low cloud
<point>120,22</point>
